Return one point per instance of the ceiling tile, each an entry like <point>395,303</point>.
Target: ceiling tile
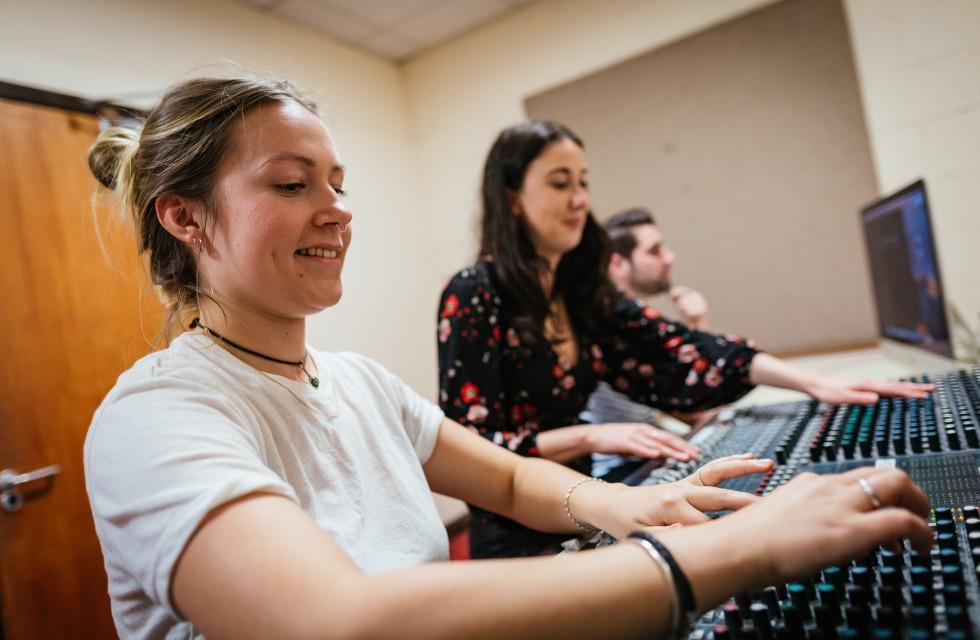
<point>391,46</point>
<point>318,16</point>
<point>386,12</point>
<point>450,19</point>
<point>262,5</point>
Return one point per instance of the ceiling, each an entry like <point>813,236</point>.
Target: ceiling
<point>394,29</point>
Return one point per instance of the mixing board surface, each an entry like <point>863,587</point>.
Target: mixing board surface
<point>885,595</point>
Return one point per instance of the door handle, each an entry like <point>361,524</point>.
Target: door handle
<point>11,499</point>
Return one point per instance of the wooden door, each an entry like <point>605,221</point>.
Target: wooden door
<point>70,322</point>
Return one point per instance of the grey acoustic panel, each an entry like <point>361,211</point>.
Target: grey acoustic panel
<point>748,142</point>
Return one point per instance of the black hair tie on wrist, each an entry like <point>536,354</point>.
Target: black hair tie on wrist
<point>684,591</point>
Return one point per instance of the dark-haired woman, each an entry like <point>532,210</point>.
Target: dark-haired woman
<point>526,334</point>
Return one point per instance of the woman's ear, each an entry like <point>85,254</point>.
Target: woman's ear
<point>515,202</point>
<point>181,217</point>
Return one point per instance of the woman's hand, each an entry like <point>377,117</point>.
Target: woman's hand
<point>619,509</point>
<point>639,439</point>
<point>834,390</point>
<point>766,369</point>
<point>816,521</point>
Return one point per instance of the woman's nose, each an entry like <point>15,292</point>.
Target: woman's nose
<point>580,199</point>
<point>336,213</point>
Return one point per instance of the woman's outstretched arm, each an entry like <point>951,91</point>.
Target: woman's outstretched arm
<point>772,371</point>
<point>259,568</point>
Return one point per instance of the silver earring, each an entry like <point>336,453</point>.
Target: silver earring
<point>200,245</point>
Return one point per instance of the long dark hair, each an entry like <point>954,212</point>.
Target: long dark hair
<point>580,279</point>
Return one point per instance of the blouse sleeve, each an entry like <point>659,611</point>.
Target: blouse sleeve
<point>471,390</point>
<point>667,365</point>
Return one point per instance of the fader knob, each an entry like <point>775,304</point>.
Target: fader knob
<point>760,619</point>
<point>792,619</point>
<point>858,595</point>
<point>953,594</point>
<point>857,616</point>
<point>797,595</point>
<point>945,525</point>
<point>890,597</point>
<point>780,455</point>
<point>861,576</point>
<point>921,595</point>
<point>920,616</point>
<point>890,576</point>
<point>893,560</point>
<point>733,617</point>
<point>956,617</point>
<point>952,574</point>
<point>889,617</point>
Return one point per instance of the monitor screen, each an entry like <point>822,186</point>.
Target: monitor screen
<point>904,271</point>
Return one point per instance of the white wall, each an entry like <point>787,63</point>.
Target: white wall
<point>461,95</point>
<point>122,48</point>
<point>919,69</point>
<point>414,138</point>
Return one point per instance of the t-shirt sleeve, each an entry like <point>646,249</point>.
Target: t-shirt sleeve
<point>159,457</point>
<point>665,364</point>
<point>420,417</point>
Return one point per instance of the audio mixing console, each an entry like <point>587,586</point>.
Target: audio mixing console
<point>885,595</point>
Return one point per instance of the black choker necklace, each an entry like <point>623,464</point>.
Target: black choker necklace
<point>313,380</point>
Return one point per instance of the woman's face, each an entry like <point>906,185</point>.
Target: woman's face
<point>276,246</point>
<point>554,199</point>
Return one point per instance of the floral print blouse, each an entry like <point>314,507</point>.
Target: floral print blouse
<point>508,393</point>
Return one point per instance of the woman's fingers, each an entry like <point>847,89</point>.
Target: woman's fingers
<point>909,389</point>
<point>674,442</point>
<point>891,487</point>
<point>890,524</point>
<point>655,529</point>
<point>715,499</point>
<point>670,447</point>
<point>685,513</point>
<point>732,467</point>
<point>854,396</point>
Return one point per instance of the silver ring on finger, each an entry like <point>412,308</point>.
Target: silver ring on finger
<point>870,492</point>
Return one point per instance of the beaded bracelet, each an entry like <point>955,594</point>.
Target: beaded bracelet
<point>568,511</point>
<point>679,582</point>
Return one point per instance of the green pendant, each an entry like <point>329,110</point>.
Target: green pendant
<point>315,382</point>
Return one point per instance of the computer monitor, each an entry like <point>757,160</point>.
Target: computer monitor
<point>904,271</point>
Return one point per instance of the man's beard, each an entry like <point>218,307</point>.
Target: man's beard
<point>650,287</point>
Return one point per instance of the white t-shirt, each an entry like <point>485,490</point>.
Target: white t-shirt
<point>191,427</point>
